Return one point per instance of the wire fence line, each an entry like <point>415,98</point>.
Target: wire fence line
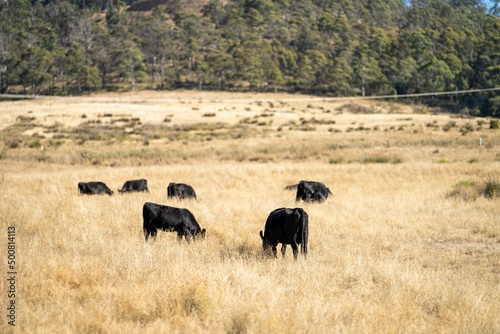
<point>374,97</point>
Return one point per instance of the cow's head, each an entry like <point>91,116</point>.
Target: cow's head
<point>200,234</point>
<point>265,242</point>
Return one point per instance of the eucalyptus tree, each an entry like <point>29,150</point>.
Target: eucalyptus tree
<point>156,39</point>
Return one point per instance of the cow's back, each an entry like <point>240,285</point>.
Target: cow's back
<point>312,191</point>
<point>281,224</point>
<point>135,185</point>
<point>180,190</point>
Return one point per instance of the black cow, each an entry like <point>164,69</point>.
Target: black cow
<point>286,226</point>
<point>180,190</point>
<point>134,185</point>
<point>309,191</point>
<point>170,219</point>
<point>93,188</point>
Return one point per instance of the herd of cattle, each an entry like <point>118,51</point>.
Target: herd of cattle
<point>284,225</point>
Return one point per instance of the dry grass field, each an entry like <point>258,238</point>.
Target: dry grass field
<point>409,242</point>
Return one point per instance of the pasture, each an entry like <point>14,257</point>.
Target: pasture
<point>408,242</point>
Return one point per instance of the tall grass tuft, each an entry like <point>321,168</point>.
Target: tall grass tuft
<point>381,159</point>
<point>491,187</point>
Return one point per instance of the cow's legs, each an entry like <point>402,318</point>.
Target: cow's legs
<point>180,234</point>
<point>184,233</point>
<point>275,251</point>
<point>303,249</point>
<point>151,233</point>
<point>283,249</point>
<point>295,248</point>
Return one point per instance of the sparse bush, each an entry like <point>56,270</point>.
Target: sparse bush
<point>25,119</point>
<point>466,128</point>
<point>421,109</point>
<point>471,190</point>
<point>336,160</point>
<point>494,124</point>
<point>358,109</point>
<point>55,142</point>
<point>491,187</point>
<point>465,189</point>
<point>44,158</point>
<point>380,159</point>
<point>13,143</point>
<point>35,144</point>
<point>442,161</point>
<point>449,125</point>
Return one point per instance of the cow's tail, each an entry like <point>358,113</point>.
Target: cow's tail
<point>329,191</point>
<point>146,228</point>
<point>305,232</point>
<point>291,187</point>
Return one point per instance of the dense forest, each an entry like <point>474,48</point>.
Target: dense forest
<point>322,47</point>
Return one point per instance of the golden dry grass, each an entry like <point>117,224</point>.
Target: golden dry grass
<point>389,252</point>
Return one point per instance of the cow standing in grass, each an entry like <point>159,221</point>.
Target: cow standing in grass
<point>134,186</point>
<point>288,227</point>
<point>180,190</point>
<point>169,219</point>
<point>310,191</point>
<point>93,188</point>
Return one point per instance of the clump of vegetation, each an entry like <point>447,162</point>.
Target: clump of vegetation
<point>421,109</point>
<point>465,189</point>
<point>381,159</point>
<point>316,121</point>
<point>494,124</point>
<point>358,109</point>
<point>491,187</point>
<point>469,190</point>
<point>449,125</point>
<point>466,128</point>
<point>442,161</point>
<point>336,160</point>
<point>35,144</point>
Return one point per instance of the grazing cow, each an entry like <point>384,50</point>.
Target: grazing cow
<point>288,227</point>
<point>180,190</point>
<point>134,185</point>
<point>93,188</point>
<point>170,219</point>
<point>309,191</point>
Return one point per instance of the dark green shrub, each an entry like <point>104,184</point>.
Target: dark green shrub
<point>494,124</point>
<point>491,187</point>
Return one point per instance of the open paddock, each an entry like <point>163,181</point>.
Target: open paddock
<point>393,249</point>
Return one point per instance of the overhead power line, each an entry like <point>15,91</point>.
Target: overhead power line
<point>454,92</point>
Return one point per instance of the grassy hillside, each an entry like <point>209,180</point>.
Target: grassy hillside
<point>407,243</point>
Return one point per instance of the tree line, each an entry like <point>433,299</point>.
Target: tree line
<point>323,47</point>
